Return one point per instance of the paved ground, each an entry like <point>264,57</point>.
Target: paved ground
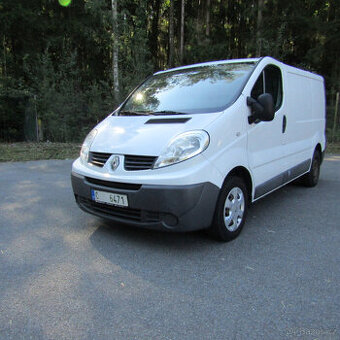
<point>65,274</point>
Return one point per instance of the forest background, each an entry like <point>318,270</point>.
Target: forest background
<point>65,65</point>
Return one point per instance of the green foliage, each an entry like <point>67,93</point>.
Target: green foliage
<point>67,109</point>
<point>15,152</point>
<point>56,62</point>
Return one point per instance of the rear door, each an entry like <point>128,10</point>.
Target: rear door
<point>265,139</point>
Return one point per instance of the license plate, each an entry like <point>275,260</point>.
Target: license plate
<point>109,198</point>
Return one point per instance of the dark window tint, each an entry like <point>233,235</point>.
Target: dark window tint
<point>269,81</point>
<point>194,90</point>
<point>273,84</point>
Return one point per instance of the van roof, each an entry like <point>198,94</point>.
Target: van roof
<point>209,63</point>
<point>291,69</point>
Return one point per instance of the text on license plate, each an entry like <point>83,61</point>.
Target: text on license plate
<point>109,198</point>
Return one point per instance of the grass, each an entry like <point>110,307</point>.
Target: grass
<point>14,152</point>
<point>333,147</point>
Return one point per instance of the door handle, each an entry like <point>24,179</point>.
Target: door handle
<point>284,124</point>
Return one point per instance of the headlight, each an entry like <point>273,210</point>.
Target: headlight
<point>84,152</point>
<point>182,147</point>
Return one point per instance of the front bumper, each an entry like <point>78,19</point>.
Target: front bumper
<point>173,208</point>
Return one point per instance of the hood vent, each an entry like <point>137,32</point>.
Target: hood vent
<point>167,120</point>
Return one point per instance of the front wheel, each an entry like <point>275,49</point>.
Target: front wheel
<point>231,210</point>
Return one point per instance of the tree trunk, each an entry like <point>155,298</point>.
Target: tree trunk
<point>198,18</point>
<point>207,19</point>
<point>258,27</point>
<point>171,34</point>
<point>182,34</point>
<point>153,37</point>
<point>5,61</point>
<point>115,69</point>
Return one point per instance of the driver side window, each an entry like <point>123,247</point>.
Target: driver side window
<point>269,81</point>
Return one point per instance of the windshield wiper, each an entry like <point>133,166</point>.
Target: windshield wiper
<point>167,112</point>
<point>133,113</point>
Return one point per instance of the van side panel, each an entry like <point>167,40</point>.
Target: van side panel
<point>281,150</point>
<point>319,111</point>
<point>305,117</point>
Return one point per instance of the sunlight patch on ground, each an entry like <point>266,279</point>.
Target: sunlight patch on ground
<point>57,214</point>
<point>26,247</point>
<point>51,286</point>
<point>333,158</point>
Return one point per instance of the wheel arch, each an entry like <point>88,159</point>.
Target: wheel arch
<point>242,172</point>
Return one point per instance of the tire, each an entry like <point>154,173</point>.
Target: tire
<point>311,178</point>
<point>230,214</point>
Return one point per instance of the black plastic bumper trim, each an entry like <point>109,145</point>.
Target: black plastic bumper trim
<point>282,178</point>
<point>163,207</point>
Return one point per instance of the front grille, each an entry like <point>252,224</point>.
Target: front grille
<point>98,158</point>
<point>132,162</point>
<point>128,214</point>
<point>115,185</point>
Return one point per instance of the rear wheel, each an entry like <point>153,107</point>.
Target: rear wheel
<point>231,210</point>
<point>311,178</point>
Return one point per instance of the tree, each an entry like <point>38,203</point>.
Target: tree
<point>115,48</point>
<point>207,19</point>
<point>182,33</point>
<point>171,34</point>
<point>259,25</point>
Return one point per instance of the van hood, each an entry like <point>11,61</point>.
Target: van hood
<point>145,135</point>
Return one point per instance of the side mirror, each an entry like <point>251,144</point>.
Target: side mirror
<point>262,108</point>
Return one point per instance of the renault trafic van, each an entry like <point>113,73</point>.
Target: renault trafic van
<point>192,146</point>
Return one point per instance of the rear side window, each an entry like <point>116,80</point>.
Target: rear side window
<point>269,81</point>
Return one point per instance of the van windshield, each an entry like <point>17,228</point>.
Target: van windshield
<point>201,89</point>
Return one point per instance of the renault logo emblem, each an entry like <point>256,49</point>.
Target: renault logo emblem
<point>115,163</point>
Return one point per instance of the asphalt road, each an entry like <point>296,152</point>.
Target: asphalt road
<point>66,274</point>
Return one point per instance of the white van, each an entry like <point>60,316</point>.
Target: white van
<point>191,147</point>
